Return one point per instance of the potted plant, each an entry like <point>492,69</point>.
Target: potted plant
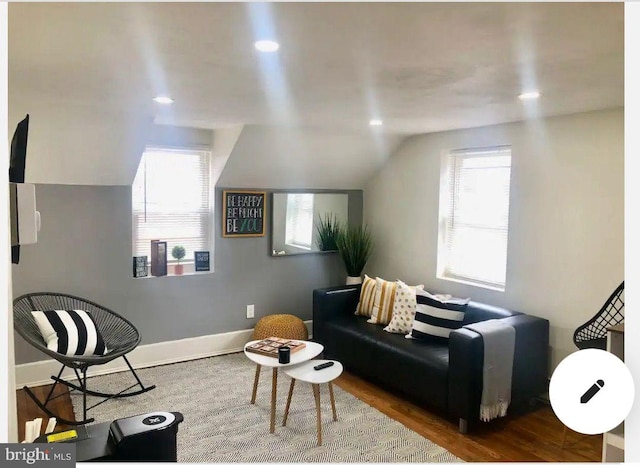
<point>327,231</point>
<point>178,253</point>
<point>355,246</point>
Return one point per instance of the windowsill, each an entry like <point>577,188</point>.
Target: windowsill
<point>173,275</point>
<point>300,246</point>
<point>470,283</point>
<point>189,270</point>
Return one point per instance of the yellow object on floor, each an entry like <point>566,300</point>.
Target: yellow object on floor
<point>282,326</point>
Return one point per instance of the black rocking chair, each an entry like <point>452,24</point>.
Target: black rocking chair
<point>593,334</point>
<point>119,334</point>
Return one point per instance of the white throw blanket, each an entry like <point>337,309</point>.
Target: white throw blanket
<point>499,345</point>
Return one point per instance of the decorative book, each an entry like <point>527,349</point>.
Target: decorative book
<point>269,346</point>
<point>158,258</point>
<point>140,266</point>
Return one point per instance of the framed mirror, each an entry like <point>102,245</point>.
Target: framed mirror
<point>297,220</point>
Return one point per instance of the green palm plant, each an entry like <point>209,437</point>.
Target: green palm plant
<point>355,246</point>
<point>327,231</point>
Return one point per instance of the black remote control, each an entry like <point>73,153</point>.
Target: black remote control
<point>323,366</point>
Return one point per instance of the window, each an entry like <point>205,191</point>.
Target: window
<point>474,217</point>
<point>299,220</point>
<point>171,201</point>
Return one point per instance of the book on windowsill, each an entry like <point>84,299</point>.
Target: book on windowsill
<point>158,258</point>
<point>269,346</point>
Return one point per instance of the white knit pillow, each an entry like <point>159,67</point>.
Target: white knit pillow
<point>404,309</point>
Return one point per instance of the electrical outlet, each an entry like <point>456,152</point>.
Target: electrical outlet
<point>250,310</point>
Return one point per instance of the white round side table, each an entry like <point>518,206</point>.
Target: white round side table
<point>306,373</point>
<point>310,351</point>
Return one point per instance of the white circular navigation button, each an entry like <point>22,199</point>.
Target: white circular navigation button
<point>591,391</point>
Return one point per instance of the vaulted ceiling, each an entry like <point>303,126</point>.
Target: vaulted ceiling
<point>87,74</point>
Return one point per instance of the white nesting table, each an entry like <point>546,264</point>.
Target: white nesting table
<point>310,351</point>
<point>306,373</point>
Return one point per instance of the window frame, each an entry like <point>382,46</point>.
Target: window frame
<point>208,225</point>
<point>448,167</point>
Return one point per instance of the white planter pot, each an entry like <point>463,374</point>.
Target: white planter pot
<point>354,280</point>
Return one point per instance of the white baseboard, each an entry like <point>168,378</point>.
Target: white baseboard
<point>39,373</point>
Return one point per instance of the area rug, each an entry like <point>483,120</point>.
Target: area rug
<point>221,425</point>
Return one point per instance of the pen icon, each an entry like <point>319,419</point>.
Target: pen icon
<point>595,388</point>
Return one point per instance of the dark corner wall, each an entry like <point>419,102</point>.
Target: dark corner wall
<point>84,248</point>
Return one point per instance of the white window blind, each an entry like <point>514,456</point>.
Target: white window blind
<point>171,201</point>
<point>475,217</point>
<point>299,220</point>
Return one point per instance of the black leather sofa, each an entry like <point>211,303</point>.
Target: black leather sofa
<point>447,376</point>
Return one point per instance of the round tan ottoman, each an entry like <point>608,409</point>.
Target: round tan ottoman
<point>282,326</point>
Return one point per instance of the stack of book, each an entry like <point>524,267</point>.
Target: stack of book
<point>269,346</point>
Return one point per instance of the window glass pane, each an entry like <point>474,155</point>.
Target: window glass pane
<point>299,220</point>
<point>476,216</point>
<point>170,200</point>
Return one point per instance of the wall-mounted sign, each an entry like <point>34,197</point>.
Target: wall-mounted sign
<point>244,213</point>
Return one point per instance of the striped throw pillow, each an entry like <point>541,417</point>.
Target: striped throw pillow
<point>383,301</point>
<point>367,294</point>
<point>70,332</point>
<point>437,315</point>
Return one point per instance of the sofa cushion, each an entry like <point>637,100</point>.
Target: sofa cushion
<point>477,312</point>
<point>367,295</point>
<point>421,366</point>
<point>437,315</point>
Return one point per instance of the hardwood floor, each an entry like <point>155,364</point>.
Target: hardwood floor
<point>27,409</point>
<point>533,435</point>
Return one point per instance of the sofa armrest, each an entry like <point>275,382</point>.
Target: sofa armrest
<point>530,364</point>
<point>330,303</point>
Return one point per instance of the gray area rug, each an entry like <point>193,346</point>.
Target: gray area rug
<point>221,425</point>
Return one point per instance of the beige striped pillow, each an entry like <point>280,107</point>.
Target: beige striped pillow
<point>383,301</point>
<point>367,294</point>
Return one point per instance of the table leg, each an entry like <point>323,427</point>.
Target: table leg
<point>255,384</point>
<point>316,394</point>
<point>274,389</point>
<point>333,402</point>
<point>286,410</point>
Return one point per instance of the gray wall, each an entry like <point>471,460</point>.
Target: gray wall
<point>84,248</point>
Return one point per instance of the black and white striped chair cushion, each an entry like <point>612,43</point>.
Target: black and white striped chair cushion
<point>70,332</point>
<point>437,315</point>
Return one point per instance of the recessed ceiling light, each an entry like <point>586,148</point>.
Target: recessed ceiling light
<point>163,100</point>
<point>375,122</point>
<point>266,46</point>
<point>529,95</point>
